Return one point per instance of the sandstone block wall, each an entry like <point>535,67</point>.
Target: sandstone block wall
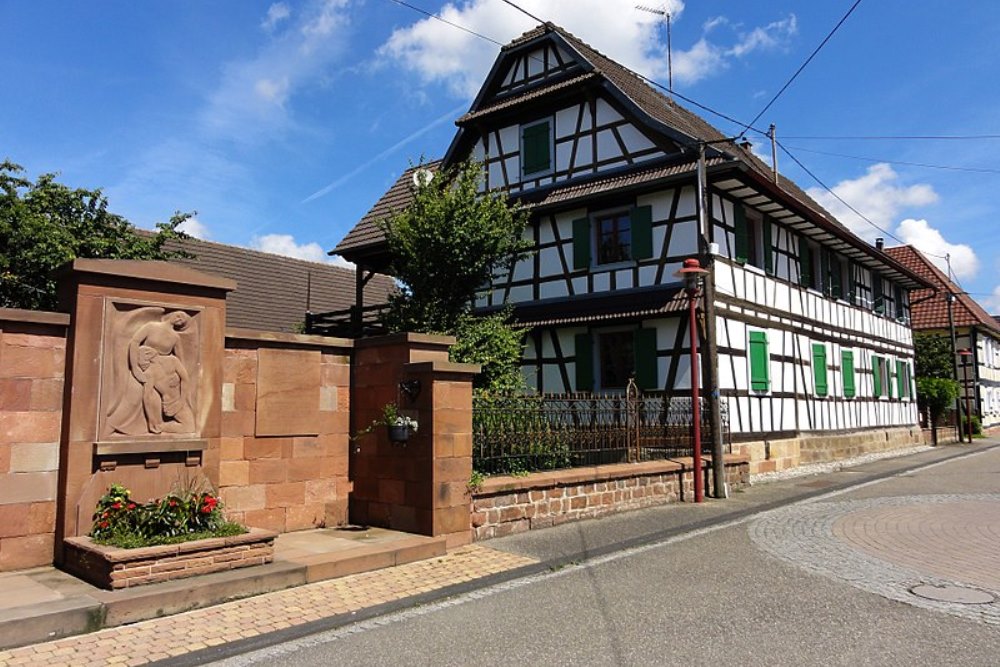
<point>283,464</point>
<point>776,455</point>
<point>509,505</point>
<point>32,367</point>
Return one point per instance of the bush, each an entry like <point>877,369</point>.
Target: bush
<point>977,426</point>
<point>179,517</point>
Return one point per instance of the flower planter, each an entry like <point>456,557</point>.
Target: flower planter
<point>399,434</point>
<point>113,568</point>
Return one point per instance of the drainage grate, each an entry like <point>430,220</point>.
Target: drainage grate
<point>957,594</point>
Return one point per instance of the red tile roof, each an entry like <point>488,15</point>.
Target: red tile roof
<point>929,310</point>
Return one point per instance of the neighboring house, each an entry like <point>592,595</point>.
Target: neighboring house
<point>273,292</point>
<point>813,335</point>
<point>975,330</point>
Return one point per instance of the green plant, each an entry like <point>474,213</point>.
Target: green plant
<point>977,425</point>
<point>496,346</point>
<point>476,481</point>
<point>934,395</point>
<point>183,514</point>
<point>390,417</point>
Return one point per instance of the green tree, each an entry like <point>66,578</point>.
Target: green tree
<point>933,356</point>
<point>44,224</point>
<point>934,396</point>
<point>447,246</point>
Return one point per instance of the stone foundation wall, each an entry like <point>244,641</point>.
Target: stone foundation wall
<point>775,455</point>
<point>32,368</point>
<point>283,461</point>
<point>508,505</point>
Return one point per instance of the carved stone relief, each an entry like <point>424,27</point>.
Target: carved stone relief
<point>150,375</point>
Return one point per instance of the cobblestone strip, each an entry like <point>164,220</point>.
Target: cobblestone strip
<point>157,639</point>
<point>872,544</point>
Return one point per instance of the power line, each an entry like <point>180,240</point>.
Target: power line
<point>524,11</point>
<point>887,137</point>
<point>808,60</point>
<point>836,196</point>
<point>980,170</point>
<point>446,21</point>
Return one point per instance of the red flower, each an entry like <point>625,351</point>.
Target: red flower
<point>104,524</point>
<point>116,506</point>
<point>173,503</point>
<point>131,506</point>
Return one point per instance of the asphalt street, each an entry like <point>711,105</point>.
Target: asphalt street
<point>821,580</point>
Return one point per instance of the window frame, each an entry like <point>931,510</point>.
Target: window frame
<point>621,214</point>
<point>598,337</point>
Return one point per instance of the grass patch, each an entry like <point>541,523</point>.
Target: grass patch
<point>132,541</point>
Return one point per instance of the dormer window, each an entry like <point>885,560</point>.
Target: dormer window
<point>536,148</point>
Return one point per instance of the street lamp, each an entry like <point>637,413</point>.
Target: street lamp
<point>691,273</point>
<point>966,353</point>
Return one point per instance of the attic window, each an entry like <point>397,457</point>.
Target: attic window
<point>536,147</point>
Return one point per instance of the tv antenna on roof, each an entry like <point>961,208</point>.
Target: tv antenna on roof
<point>670,63</point>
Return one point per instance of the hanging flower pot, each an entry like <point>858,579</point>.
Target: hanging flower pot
<point>399,434</point>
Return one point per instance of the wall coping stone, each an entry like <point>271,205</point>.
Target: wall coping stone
<point>601,473</point>
<point>442,367</point>
<point>153,270</point>
<point>34,317</point>
<point>118,555</point>
<point>420,339</point>
<point>285,339</point>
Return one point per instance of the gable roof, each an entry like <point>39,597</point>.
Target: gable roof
<point>271,290</point>
<point>929,307</point>
<point>679,125</point>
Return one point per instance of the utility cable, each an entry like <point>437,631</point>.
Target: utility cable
<point>978,170</point>
<point>523,11</point>
<point>808,60</point>
<point>445,21</point>
<point>898,137</point>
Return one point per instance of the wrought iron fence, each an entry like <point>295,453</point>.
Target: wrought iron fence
<point>542,432</point>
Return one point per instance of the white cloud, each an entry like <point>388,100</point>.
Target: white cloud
<point>252,98</point>
<point>196,228</point>
<point>992,302</point>
<point>276,13</point>
<point>877,195</point>
<point>440,53</point>
<point>284,244</point>
<point>930,241</point>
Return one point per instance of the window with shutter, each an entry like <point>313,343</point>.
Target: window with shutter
<point>536,148</point>
<point>819,368</point>
<point>760,361</point>
<point>616,354</point>
<point>847,370</point>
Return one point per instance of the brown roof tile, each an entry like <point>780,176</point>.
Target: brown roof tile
<point>930,309</point>
<point>271,289</point>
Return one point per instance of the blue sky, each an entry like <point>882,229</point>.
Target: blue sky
<point>281,123</point>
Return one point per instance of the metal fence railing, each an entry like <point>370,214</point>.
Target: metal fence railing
<point>514,434</point>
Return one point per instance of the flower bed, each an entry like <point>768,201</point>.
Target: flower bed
<point>115,568</point>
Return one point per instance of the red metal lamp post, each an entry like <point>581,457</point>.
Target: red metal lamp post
<point>691,273</point>
<point>966,355</point>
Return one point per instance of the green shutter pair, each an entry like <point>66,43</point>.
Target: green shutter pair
<point>641,221</point>
<point>760,362</point>
<point>819,368</point>
<point>535,148</point>
<point>646,365</point>
<point>847,371</point>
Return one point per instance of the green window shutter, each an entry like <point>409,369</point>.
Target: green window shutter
<point>901,379</point>
<point>824,271</point>
<point>760,362</point>
<point>877,375</point>
<point>897,292</point>
<point>847,370</point>
<point>642,232</point>
<point>535,148</point>
<point>742,234</point>
<point>888,377</point>
<point>852,282</point>
<point>581,243</point>
<point>805,263</point>
<point>768,250</point>
<point>878,301</point>
<point>819,368</point>
<point>584,351</point>
<point>646,365</point>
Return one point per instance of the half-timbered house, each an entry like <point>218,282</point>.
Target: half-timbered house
<point>812,323</point>
<point>975,330</point>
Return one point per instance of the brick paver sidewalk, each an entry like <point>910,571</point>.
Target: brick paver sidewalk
<point>161,638</point>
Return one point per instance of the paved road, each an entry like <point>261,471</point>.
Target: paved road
<point>823,581</point>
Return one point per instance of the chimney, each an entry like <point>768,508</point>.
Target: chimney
<point>879,243</point>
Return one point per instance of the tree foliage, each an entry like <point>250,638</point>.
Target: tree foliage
<point>496,346</point>
<point>935,395</point>
<point>44,224</point>
<point>933,356</point>
<point>447,245</point>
